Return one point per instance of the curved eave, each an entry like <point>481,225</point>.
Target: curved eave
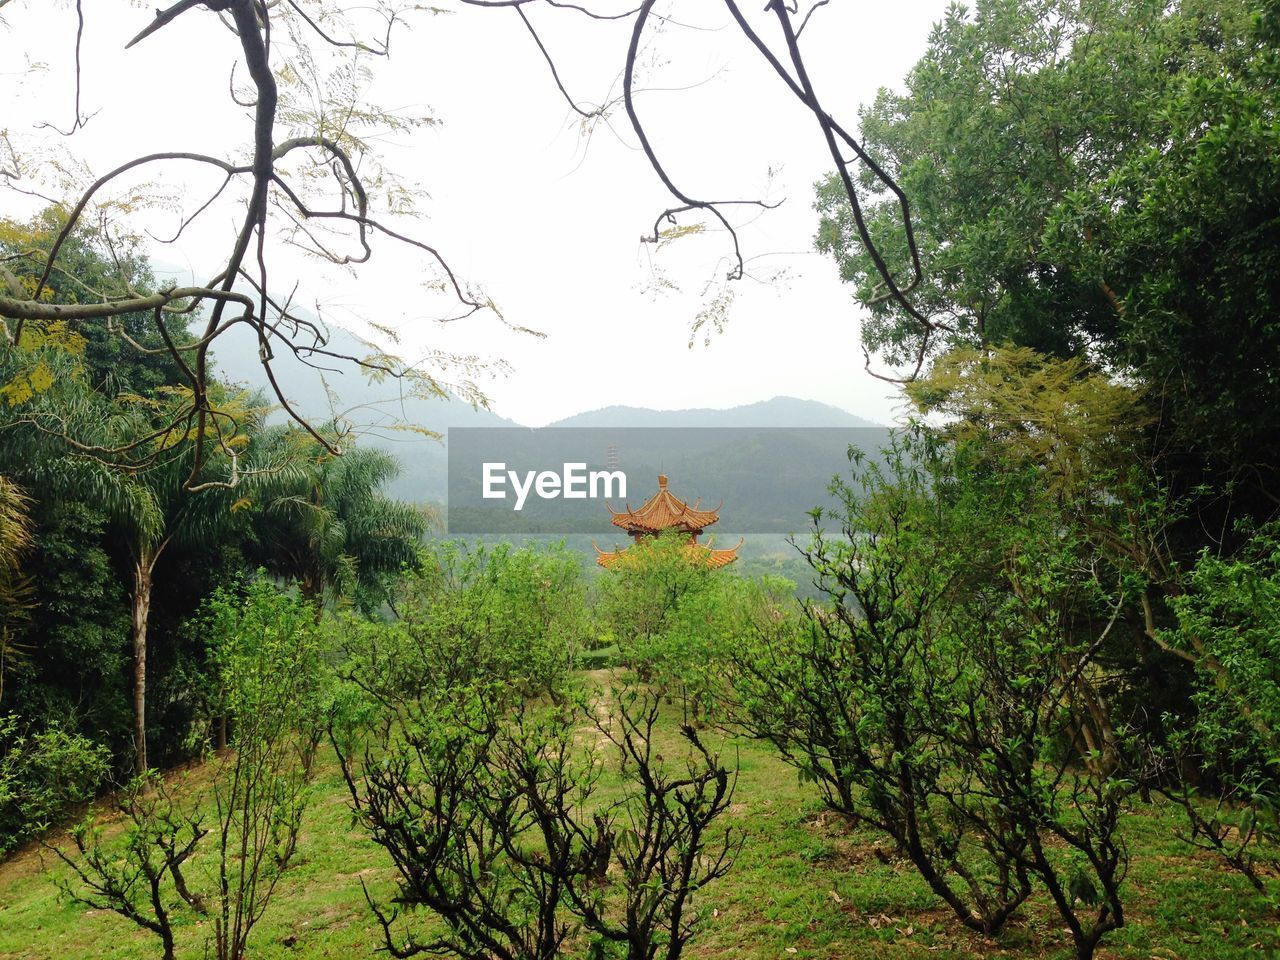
<point>664,511</point>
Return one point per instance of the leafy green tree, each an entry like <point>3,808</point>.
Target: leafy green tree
<point>125,354</point>
<point>15,541</point>
<point>76,444</point>
<point>44,774</point>
<point>1228,620</point>
<point>943,691</point>
<point>74,672</point>
<point>474,614</point>
<point>71,393</point>
<point>330,527</point>
<point>154,511</point>
<point>1094,178</point>
<point>640,598</point>
<point>675,620</point>
<point>268,664</point>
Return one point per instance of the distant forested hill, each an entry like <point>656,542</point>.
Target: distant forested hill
<point>778,412</point>
<point>381,410</point>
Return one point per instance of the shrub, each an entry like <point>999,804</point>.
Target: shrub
<point>475,613</point>
<point>1228,622</point>
<point>271,683</point>
<point>928,695</point>
<point>491,817</point>
<point>43,776</point>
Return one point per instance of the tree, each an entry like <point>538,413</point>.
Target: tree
<point>466,615</point>
<point>330,527</point>
<point>942,693</point>
<point>123,354</point>
<point>134,882</point>
<point>487,806</point>
<point>15,590</point>
<point>155,512</point>
<point>143,490</point>
<point>1229,621</point>
<point>1094,180</point>
<point>641,598</point>
<point>310,176</point>
<point>675,620</point>
<point>267,659</point>
<point>67,392</point>
<point>851,694</point>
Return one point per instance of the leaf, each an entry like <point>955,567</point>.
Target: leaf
<point>41,378</point>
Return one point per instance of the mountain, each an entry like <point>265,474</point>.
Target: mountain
<point>381,411</point>
<point>778,412</point>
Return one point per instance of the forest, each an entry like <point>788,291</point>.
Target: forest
<point>1024,699</point>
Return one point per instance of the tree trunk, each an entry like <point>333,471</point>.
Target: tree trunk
<point>143,568</point>
<point>311,586</point>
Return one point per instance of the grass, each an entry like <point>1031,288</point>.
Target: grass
<point>805,885</point>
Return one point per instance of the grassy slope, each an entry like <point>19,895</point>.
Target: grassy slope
<point>804,886</point>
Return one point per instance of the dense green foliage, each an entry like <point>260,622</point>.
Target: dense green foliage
<point>1094,187</point>
<point>1044,618</point>
<point>1096,178</point>
<point>129,531</point>
<point>328,526</point>
<point>268,678</point>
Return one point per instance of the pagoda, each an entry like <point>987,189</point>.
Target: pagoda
<point>662,512</point>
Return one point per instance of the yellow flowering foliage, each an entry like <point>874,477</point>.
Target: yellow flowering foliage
<point>35,374</point>
<point>1065,416</point>
<point>54,335</point>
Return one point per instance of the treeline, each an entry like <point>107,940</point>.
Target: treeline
<point>115,530</point>
<point>1055,599</point>
<point>978,683</point>
<point>1095,180</point>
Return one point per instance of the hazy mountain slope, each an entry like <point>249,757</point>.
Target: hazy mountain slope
<point>778,412</point>
<point>380,411</point>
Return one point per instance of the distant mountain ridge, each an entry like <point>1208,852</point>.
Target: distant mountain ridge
<point>775,412</point>
<point>379,409</point>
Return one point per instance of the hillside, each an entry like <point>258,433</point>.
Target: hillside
<point>777,412</point>
<point>805,885</point>
<point>381,410</point>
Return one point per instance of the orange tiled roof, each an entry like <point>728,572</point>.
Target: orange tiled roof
<point>664,511</point>
<point>712,557</point>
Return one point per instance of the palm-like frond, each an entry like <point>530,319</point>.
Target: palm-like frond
<point>15,524</point>
<point>329,524</point>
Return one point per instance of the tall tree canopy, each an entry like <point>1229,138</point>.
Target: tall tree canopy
<point>329,526</point>
<point>1094,178</point>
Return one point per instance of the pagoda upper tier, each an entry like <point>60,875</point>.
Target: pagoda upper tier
<point>665,511</point>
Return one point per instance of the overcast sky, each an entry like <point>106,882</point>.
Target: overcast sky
<point>546,219</point>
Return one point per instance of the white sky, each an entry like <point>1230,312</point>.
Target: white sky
<point>546,220</point>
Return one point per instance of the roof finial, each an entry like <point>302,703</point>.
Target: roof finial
<point>662,481</point>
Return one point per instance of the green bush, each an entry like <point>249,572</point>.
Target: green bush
<point>475,615</point>
<point>43,775</point>
<point>676,621</point>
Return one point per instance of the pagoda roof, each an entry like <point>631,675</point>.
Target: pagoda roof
<point>665,511</point>
<point>710,556</point>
